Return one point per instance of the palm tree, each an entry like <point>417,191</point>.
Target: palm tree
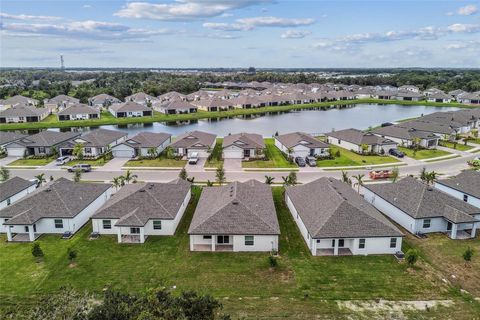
<point>169,152</point>
<point>286,181</point>
<point>116,182</point>
<point>78,151</point>
<point>431,177</point>
<point>77,175</point>
<point>183,174</point>
<point>289,152</point>
<point>359,178</point>
<point>220,175</point>
<point>395,173</point>
<point>4,174</point>
<point>152,152</point>
<point>269,180</point>
<point>191,180</point>
<point>40,179</point>
<point>423,174</point>
<point>209,183</point>
<point>130,177</point>
<point>345,177</point>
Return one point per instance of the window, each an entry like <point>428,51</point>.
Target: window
<point>88,150</point>
<point>341,243</point>
<point>249,240</point>
<point>223,239</point>
<point>58,223</point>
<point>318,241</point>
<point>426,223</point>
<point>465,198</point>
<point>207,237</point>
<point>135,230</point>
<point>339,141</point>
<point>333,243</point>
<point>157,224</point>
<point>107,224</point>
<point>8,201</point>
<point>361,244</point>
<point>393,242</point>
<point>41,150</point>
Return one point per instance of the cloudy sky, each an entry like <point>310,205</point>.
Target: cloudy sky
<point>241,33</point>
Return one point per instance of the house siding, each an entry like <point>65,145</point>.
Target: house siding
<point>17,197</point>
<point>457,194</point>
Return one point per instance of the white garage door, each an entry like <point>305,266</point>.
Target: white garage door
<point>123,153</point>
<point>232,154</point>
<point>16,152</point>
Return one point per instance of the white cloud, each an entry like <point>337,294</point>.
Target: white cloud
<point>275,22</point>
<point>295,34</point>
<point>467,10</point>
<point>221,26</point>
<point>26,17</point>
<point>464,28</point>
<point>183,9</point>
<point>84,29</point>
<point>87,6</point>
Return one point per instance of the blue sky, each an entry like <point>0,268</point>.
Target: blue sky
<point>241,33</point>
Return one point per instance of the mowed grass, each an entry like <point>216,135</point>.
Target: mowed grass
<point>275,158</point>
<point>32,162</point>
<point>300,287</point>
<point>93,162</point>
<point>160,161</point>
<point>424,153</point>
<point>350,158</point>
<point>459,146</point>
<point>216,158</point>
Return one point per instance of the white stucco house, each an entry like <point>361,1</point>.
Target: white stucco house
<point>301,145</point>
<point>421,209</point>
<point>354,139</point>
<point>60,207</point>
<point>243,146</point>
<point>465,186</point>
<point>94,143</point>
<point>129,109</point>
<point>78,112</point>
<point>140,210</point>
<point>13,190</point>
<point>195,141</point>
<point>335,220</point>
<point>140,144</point>
<point>235,217</point>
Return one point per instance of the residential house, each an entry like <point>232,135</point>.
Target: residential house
<point>408,95</point>
<point>195,141</point>
<point>61,206</point>
<point>175,107</point>
<point>13,190</point>
<point>129,109</point>
<point>355,140</point>
<point>141,98</point>
<point>214,104</point>
<point>60,102</point>
<point>94,143</point>
<point>420,208</point>
<point>16,101</point>
<point>235,217</point>
<point>42,143</point>
<point>102,100</point>
<point>172,96</point>
<point>243,146</point>
<point>78,112</point>
<point>140,210</point>
<point>10,136</point>
<point>439,96</point>
<point>335,220</point>
<point>299,144</point>
<point>23,113</point>
<point>469,98</point>
<point>408,137</point>
<point>139,145</point>
<point>246,102</point>
<point>465,186</point>
<point>444,131</point>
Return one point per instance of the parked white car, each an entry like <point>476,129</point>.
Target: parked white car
<point>62,160</point>
<point>193,158</point>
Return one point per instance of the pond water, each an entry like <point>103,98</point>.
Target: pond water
<point>360,116</point>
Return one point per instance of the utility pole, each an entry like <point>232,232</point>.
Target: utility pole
<point>62,65</point>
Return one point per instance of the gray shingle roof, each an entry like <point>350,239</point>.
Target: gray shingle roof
<point>148,139</point>
<point>197,139</point>
<point>421,201</point>
<point>78,109</point>
<point>359,137</point>
<point>244,140</point>
<point>236,209</point>
<point>10,136</point>
<point>62,98</point>
<point>406,133</point>
<point>101,137</point>
<point>128,106</point>
<point>135,204</point>
<point>293,139</point>
<point>47,138</point>
<point>467,182</point>
<point>23,111</point>
<point>13,186</point>
<point>61,198</point>
<point>330,208</point>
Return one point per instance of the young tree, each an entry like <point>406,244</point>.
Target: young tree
<point>191,180</point>
<point>364,147</point>
<point>72,255</point>
<point>467,256</point>
<point>269,180</point>
<point>129,177</point>
<point>4,174</point>
<point>169,152</point>
<point>292,177</point>
<point>411,257</point>
<point>220,175</point>
<point>359,177</point>
<point>430,177</point>
<point>37,252</point>
<point>423,174</point>
<point>209,183</point>
<point>117,183</point>
<point>183,174</point>
<point>395,174</point>
<point>40,179</point>
<point>152,152</point>
<point>77,175</point>
<point>345,177</point>
<point>78,151</point>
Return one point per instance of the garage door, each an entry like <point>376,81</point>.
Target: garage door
<point>16,152</point>
<point>233,154</point>
<point>123,153</point>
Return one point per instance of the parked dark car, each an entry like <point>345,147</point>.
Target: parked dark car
<point>396,153</point>
<point>300,161</point>
<point>82,167</point>
<point>311,161</point>
<point>387,124</point>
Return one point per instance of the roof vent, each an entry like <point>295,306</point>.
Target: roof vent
<point>235,201</point>
<point>141,190</point>
<point>429,188</point>
<point>48,190</point>
<point>150,186</point>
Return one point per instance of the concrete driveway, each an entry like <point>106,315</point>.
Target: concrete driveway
<point>115,164</point>
<point>196,167</point>
<point>232,164</point>
<point>7,160</point>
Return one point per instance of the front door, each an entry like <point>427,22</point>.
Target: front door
<point>246,153</point>
<point>449,226</point>
<point>312,152</point>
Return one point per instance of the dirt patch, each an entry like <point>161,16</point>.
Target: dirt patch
<point>393,306</point>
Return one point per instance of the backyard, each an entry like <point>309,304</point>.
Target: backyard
<point>350,158</point>
<point>276,159</point>
<point>301,287</point>
<point>423,153</point>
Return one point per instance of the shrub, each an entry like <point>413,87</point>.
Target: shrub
<point>272,261</point>
<point>37,252</point>
<point>72,255</point>
<point>411,257</point>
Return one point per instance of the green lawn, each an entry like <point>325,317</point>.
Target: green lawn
<point>276,159</point>
<point>32,162</point>
<point>302,287</point>
<point>160,161</point>
<point>96,163</point>
<point>460,146</point>
<point>424,153</point>
<point>216,159</point>
<point>350,158</point>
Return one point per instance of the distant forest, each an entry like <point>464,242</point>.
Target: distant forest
<point>41,84</point>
